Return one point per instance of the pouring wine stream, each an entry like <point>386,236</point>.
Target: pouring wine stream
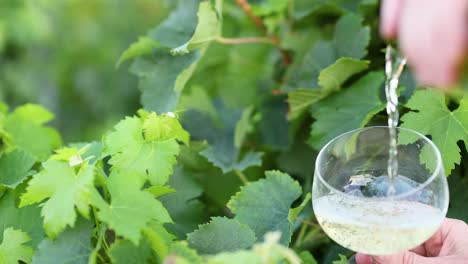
<point>391,85</point>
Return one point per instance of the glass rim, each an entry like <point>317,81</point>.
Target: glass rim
<point>399,196</point>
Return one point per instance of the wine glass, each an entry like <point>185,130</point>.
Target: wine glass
<point>351,197</point>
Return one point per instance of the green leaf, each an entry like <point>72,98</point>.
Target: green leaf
<point>244,126</point>
<point>73,246</point>
<point>264,205</point>
<point>153,156</point>
<point>307,257</point>
<point>221,135</point>
<point>158,191</point>
<point>144,45</point>
<point>125,252</point>
<point>12,249</point>
<point>162,77</point>
<point>270,251</point>
<point>26,128</point>
<point>182,254</point>
<point>26,218</point>
<point>15,166</point>
<point>221,235</point>
<point>293,213</point>
<point>350,40</point>
<point>347,110</point>
<point>343,260</point>
<point>332,77</point>
<point>198,99</point>
<point>208,28</point>
<point>431,116</point>
<point>65,188</point>
<point>250,159</point>
<point>300,100</point>
<point>273,126</point>
<point>458,183</point>
<point>183,205</point>
<point>159,239</point>
<point>131,209</point>
<point>268,7</point>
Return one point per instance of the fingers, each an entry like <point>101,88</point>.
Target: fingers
<point>403,258</point>
<point>433,38</point>
<point>389,13</point>
<point>450,239</point>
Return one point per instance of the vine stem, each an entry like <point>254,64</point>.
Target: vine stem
<point>242,177</point>
<point>245,6</point>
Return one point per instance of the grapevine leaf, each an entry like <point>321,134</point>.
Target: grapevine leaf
<point>72,246</point>
<point>26,128</point>
<point>12,249</point>
<point>198,99</point>
<point>162,78</point>
<point>269,251</point>
<point>332,77</point>
<point>208,28</point>
<point>431,116</point>
<point>179,27</point>
<point>264,205</point>
<point>158,191</point>
<point>300,100</point>
<point>330,80</point>
<point>221,235</point>
<point>347,110</point>
<point>350,40</point>
<point>184,207</point>
<point>131,208</point>
<point>343,260</point>
<point>144,45</point>
<point>293,213</point>
<point>244,126</point>
<point>92,151</point>
<point>65,189</point>
<point>159,239</point>
<point>180,251</point>
<point>34,113</point>
<point>458,195</point>
<point>250,159</point>
<point>307,257</point>
<point>243,256</point>
<point>268,7</point>
<point>15,166</point>
<point>146,147</point>
<point>273,126</point>
<point>221,135</point>
<point>26,218</point>
<point>125,252</point>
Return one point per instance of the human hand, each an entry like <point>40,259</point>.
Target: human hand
<point>449,245</point>
<point>432,34</point>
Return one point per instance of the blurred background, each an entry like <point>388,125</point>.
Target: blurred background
<point>62,54</point>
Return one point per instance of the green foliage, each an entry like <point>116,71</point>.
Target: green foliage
<point>71,246</point>
<point>221,235</point>
<point>264,205</point>
<point>131,209</point>
<point>431,116</point>
<point>12,249</point>
<point>346,110</point>
<point>65,188</point>
<point>15,167</point>
<point>230,90</point>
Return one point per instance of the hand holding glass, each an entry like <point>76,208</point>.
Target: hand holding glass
<point>350,191</point>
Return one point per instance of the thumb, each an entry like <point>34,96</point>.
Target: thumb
<point>407,257</point>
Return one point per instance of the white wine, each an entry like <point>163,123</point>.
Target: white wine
<point>376,227</point>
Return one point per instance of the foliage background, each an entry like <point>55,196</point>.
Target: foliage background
<point>270,81</point>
